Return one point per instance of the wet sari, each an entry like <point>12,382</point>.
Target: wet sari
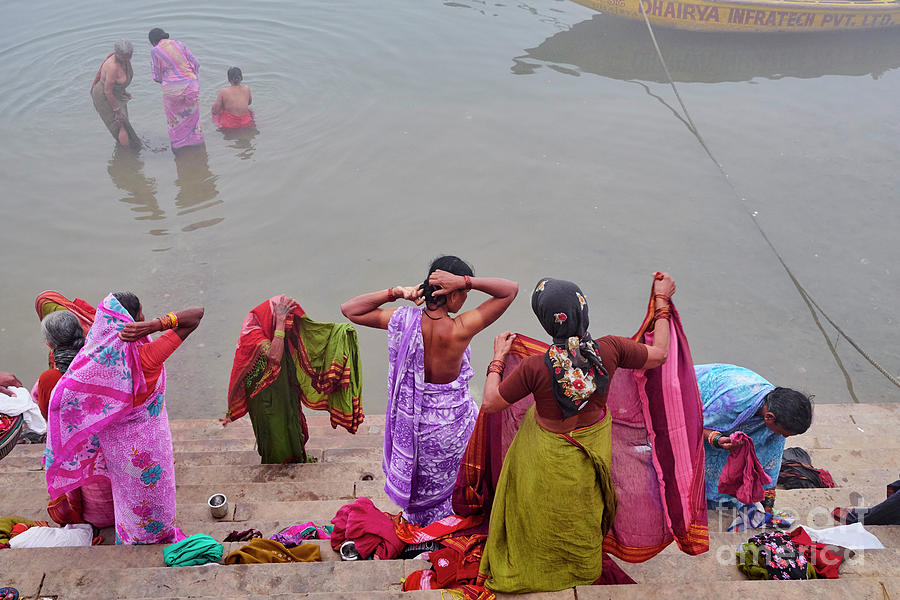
<point>176,69</point>
<point>105,110</point>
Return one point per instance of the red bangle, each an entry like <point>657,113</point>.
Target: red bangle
<point>468,282</point>
<point>496,366</point>
<point>391,296</point>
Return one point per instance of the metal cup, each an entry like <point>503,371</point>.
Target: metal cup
<point>218,505</point>
<point>348,551</point>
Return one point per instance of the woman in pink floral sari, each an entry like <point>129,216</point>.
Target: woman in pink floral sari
<point>176,69</point>
<point>107,418</point>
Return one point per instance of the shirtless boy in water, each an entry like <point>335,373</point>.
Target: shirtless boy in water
<point>235,99</point>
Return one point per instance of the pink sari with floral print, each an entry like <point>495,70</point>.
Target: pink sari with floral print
<point>95,432</point>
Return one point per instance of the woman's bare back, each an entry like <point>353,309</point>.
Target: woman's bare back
<point>444,349</point>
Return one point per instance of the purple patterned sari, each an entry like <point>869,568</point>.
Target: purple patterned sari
<point>428,425</point>
<point>176,69</point>
<point>96,432</point>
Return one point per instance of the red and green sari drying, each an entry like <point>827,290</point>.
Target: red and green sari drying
<point>319,369</point>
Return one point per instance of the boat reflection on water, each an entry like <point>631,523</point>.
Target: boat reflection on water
<point>621,49</point>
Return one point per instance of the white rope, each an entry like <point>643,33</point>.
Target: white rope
<point>807,298</point>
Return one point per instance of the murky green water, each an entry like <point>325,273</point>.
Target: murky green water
<point>531,139</point>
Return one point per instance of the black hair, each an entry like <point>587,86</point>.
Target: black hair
<point>235,75</point>
<point>156,34</point>
<point>792,409</point>
<point>130,302</point>
<point>451,264</point>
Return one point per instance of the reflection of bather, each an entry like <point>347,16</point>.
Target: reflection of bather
<point>242,140</point>
<point>196,184</point>
<point>125,169</point>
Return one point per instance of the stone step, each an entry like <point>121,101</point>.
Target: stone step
<point>235,492</point>
<point>112,556</point>
<point>182,431</point>
<point>214,475</point>
<point>858,414</point>
<point>850,435</point>
<point>872,588</point>
<point>223,580</point>
<point>673,566</point>
<point>31,460</point>
<point>313,419</point>
<point>867,457</point>
<point>722,546</point>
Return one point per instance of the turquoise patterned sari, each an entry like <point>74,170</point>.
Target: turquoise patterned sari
<point>731,397</point>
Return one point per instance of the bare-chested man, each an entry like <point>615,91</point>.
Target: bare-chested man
<point>430,413</point>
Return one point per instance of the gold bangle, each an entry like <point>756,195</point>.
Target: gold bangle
<point>279,333</point>
<point>173,320</point>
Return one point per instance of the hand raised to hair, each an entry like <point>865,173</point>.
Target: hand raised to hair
<point>133,332</point>
<point>283,308</point>
<point>413,293</point>
<point>445,282</point>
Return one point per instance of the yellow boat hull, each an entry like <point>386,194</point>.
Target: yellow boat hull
<point>757,15</point>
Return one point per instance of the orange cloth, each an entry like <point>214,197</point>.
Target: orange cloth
<point>227,120</point>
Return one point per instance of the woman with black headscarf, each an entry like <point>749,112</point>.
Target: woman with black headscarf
<point>555,501</point>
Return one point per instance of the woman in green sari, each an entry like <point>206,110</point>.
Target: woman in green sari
<point>283,359</point>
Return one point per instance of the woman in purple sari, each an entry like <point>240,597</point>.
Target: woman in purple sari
<point>430,413</point>
<point>176,69</point>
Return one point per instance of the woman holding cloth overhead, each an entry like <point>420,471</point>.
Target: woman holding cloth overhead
<point>177,70</point>
<point>555,499</point>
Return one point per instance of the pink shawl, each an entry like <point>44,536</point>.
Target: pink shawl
<point>96,432</point>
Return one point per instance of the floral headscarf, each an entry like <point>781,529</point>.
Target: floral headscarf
<point>573,358</point>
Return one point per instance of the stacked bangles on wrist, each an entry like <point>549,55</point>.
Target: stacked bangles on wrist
<point>713,438</point>
<point>662,312</point>
<point>169,321</point>
<point>496,366</point>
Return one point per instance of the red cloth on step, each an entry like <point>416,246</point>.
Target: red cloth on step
<point>369,528</point>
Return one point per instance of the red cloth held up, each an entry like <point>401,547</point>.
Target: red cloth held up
<point>369,528</point>
<point>743,476</point>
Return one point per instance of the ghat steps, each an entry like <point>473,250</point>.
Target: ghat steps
<point>856,443</point>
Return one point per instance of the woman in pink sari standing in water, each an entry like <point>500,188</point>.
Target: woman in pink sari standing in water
<point>107,418</point>
<point>176,69</point>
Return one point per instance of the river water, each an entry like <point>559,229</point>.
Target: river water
<point>533,139</point>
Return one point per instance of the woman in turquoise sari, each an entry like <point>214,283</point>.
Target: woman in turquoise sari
<point>737,399</point>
